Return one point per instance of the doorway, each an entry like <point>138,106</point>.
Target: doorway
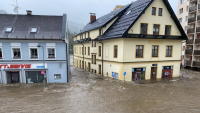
<point>85,66</point>
<point>82,64</point>
<point>12,77</point>
<point>153,72</point>
<point>99,69</point>
<point>88,66</point>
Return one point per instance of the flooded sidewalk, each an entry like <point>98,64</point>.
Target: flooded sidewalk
<point>91,93</point>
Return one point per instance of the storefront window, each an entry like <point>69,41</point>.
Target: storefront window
<point>34,77</point>
<point>138,74</point>
<point>167,71</point>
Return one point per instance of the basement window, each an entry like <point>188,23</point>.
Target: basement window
<point>128,12</point>
<point>8,29</point>
<point>33,30</point>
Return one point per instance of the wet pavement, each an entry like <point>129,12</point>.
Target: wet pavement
<point>90,93</point>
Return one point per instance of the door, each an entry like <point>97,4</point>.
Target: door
<point>85,66</point>
<point>99,69</point>
<point>82,65</point>
<point>116,76</point>
<point>88,66</point>
<point>153,72</point>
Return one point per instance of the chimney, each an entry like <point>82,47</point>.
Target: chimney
<point>29,12</point>
<point>92,17</point>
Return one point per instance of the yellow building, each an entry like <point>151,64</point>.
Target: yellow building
<point>142,39</point>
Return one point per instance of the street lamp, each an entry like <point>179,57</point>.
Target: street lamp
<point>43,66</point>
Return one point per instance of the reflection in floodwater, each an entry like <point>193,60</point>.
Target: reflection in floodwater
<point>90,93</point>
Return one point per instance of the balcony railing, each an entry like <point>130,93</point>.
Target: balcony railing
<point>196,52</point>
<point>198,29</point>
<point>188,63</point>
<point>190,41</point>
<point>190,20</point>
<point>193,8</point>
<point>188,52</point>
<point>197,41</point>
<point>196,63</point>
<point>190,30</point>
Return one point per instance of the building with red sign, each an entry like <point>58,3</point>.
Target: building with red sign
<point>24,39</point>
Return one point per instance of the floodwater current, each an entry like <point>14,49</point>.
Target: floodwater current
<point>90,93</point>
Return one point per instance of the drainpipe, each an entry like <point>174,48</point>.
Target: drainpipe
<point>67,59</point>
<point>102,58</point>
<point>83,55</point>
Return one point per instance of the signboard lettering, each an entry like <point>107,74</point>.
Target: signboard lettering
<point>15,66</point>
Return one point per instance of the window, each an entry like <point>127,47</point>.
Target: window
<point>85,50</point>
<point>1,56</point>
<point>93,43</point>
<point>99,50</point>
<point>16,53</point>
<point>156,29</point>
<point>8,29</point>
<point>143,29</point>
<point>181,11</point>
<point>115,51</point>
<point>154,51</point>
<point>169,51</point>
<point>88,34</point>
<point>88,51</point>
<point>153,11</point>
<point>82,50</point>
<point>186,18</point>
<point>180,20</point>
<point>92,59</point>
<point>33,30</point>
<point>85,35</point>
<point>167,30</point>
<point>181,1</point>
<point>139,51</point>
<point>160,12</point>
<point>187,8</point>
<point>34,53</point>
<point>51,53</point>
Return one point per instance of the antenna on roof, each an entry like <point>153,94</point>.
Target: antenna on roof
<point>16,8</point>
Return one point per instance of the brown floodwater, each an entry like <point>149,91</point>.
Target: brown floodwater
<point>90,93</point>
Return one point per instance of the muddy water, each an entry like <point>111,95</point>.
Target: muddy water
<point>90,93</point>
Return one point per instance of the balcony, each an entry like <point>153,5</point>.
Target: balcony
<point>188,52</point>
<point>193,8</point>
<point>191,20</point>
<point>190,31</point>
<point>196,63</point>
<point>197,41</point>
<point>197,52</point>
<point>188,63</point>
<point>190,41</point>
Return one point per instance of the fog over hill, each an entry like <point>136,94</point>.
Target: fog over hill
<point>75,27</point>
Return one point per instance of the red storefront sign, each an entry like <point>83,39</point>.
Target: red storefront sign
<point>167,73</point>
<point>42,72</point>
<point>15,66</point>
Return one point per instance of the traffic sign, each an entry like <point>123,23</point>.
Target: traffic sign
<point>45,75</point>
<point>124,73</point>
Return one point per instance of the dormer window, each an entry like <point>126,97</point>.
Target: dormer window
<point>8,29</point>
<point>33,30</point>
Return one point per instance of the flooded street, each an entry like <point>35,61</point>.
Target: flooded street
<point>90,93</point>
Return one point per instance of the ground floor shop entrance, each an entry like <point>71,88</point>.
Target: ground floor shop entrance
<point>138,74</point>
<point>34,77</point>
<point>12,77</point>
<point>167,71</point>
<point>153,72</point>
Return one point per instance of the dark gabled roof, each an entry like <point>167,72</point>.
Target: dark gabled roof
<point>124,23</point>
<point>48,27</point>
<point>104,20</point>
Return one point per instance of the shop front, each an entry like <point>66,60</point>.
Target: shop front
<point>34,76</point>
<point>167,71</point>
<point>138,74</point>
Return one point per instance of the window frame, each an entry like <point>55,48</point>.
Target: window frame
<point>159,11</point>
<point>88,51</point>
<point>50,58</point>
<point>20,58</point>
<point>154,51</point>
<point>143,28</point>
<point>115,55</point>
<point>99,51</point>
<point>33,58</point>
<point>155,29</point>
<point>152,11</point>
<point>169,31</point>
<point>167,55</point>
<point>139,49</point>
<point>1,58</point>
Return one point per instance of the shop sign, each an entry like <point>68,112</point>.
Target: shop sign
<point>15,66</point>
<point>154,64</point>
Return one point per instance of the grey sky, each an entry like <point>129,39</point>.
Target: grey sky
<point>76,10</point>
